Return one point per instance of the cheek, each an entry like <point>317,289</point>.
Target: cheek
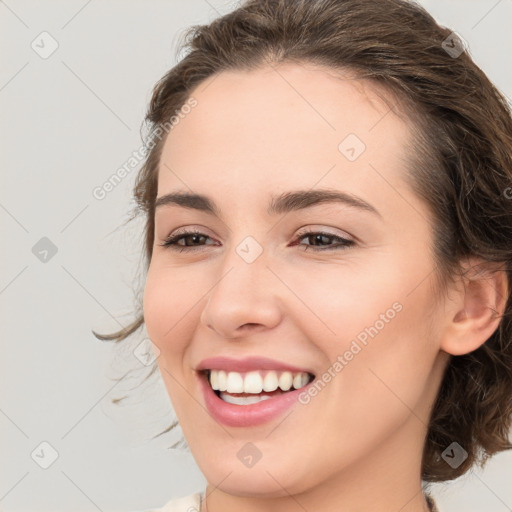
<point>167,310</point>
<point>390,377</point>
<point>339,300</point>
<point>170,319</point>
<point>377,320</point>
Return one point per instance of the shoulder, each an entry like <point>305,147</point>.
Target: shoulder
<point>190,503</point>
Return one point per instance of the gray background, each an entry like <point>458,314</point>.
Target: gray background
<point>69,121</point>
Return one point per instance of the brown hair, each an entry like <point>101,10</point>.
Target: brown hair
<point>461,165</point>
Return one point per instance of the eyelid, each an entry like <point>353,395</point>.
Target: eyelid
<point>189,229</point>
<point>318,229</point>
<point>194,229</point>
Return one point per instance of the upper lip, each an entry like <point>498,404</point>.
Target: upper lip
<point>247,364</point>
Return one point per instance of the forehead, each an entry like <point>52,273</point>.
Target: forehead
<point>286,125</point>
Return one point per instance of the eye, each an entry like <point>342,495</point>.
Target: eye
<point>190,236</point>
<point>317,238</point>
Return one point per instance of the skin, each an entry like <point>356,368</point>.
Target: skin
<point>357,445</point>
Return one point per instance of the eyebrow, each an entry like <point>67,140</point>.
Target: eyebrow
<point>279,204</point>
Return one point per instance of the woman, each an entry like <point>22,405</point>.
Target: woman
<point>327,194</point>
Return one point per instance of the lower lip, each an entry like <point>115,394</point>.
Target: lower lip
<point>234,415</point>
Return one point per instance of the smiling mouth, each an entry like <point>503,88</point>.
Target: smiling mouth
<point>246,388</point>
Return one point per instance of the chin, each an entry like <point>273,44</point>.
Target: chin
<point>251,483</point>
<point>270,479</point>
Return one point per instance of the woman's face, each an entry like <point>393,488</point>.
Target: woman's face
<point>260,282</point>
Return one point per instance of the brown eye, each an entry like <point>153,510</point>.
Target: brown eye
<point>191,238</point>
<point>321,239</point>
<point>318,240</point>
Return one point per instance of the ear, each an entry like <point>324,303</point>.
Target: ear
<point>475,306</point>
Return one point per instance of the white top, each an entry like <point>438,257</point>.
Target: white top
<point>190,503</point>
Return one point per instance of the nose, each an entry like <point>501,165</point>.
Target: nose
<point>244,299</point>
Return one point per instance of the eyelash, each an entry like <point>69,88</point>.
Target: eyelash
<point>171,241</point>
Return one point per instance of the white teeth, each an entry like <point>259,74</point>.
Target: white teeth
<point>222,380</point>
<point>270,381</point>
<point>253,383</point>
<point>256,381</point>
<point>235,383</point>
<point>285,381</point>
<point>297,381</point>
<point>214,380</point>
<point>243,400</point>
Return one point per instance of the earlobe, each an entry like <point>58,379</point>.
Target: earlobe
<point>476,312</point>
